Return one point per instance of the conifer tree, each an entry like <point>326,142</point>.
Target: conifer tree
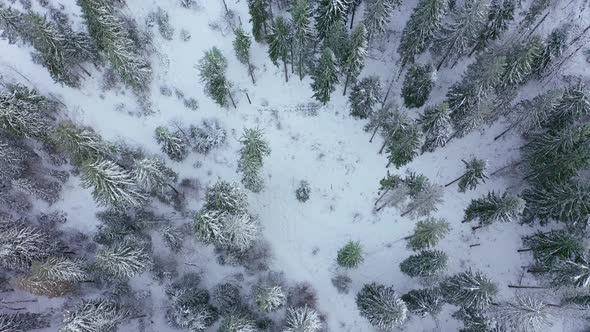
<point>112,37</point>
<point>364,97</point>
<point>536,8</point>
<point>355,57</point>
<point>573,272</point>
<point>555,45</point>
<point>23,112</point>
<point>24,321</point>
<point>381,306</point>
<point>44,287</point>
<point>417,86</point>
<point>112,185</point>
<point>242,45</point>
<point>237,323</point>
<point>270,299</point>
<point>352,8</point>
<point>422,302</point>
<point>579,301</point>
<point>330,13</point>
<point>419,31</point>
<point>469,289</point>
<point>526,314</point>
<point>226,197</point>
<point>59,269</point>
<point>11,23</point>
<point>573,105</point>
<point>302,319</point>
<point>403,146</point>
<point>93,315</point>
<point>303,34</point>
<point>553,246</point>
<point>425,264</point>
<point>475,171</point>
<point>455,38</point>
<point>212,67</point>
<point>500,13</point>
<point>254,149</point>
<point>122,260</point>
<point>259,15</point>
<point>436,126</point>
<point>567,202</point>
<point>428,233</point>
<point>522,61</point>
<point>325,77</point>
<point>377,16</point>
<point>476,320</point>
<point>425,201</point>
<point>152,175</point>
<point>351,255</point>
<point>338,40</point>
<point>81,144</point>
<point>172,144</point>
<point>280,43</point>
<point>22,245</point>
<point>494,208</point>
<point>392,189</point>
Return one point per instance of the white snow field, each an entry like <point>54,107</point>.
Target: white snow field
<point>328,148</point>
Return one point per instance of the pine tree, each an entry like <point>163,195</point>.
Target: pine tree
<point>403,146</point>
<point>237,323</point>
<point>500,13</point>
<point>381,306</point>
<point>522,61</point>
<point>436,126</point>
<point>573,272</point>
<point>226,197</point>
<point>270,299</point>
<point>280,43</point>
<point>338,41</point>
<point>494,208</point>
<point>44,287</point>
<point>152,175</point>
<point>567,202</point>
<point>355,57</point>
<point>469,289</point>
<point>428,233</point>
<point>425,201</point>
<point>122,260</point>
<point>325,77</point>
<point>392,189</point>
<point>112,185</point>
<point>81,144</point>
<point>573,105</point>
<point>419,31</point>
<point>425,264</point>
<point>475,171</point>
<point>212,67</point>
<point>112,37</point>
<point>553,246</point>
<point>380,118</point>
<point>303,31</point>
<point>476,320</point>
<point>22,245</point>
<point>254,149</point>
<point>526,314</point>
<point>259,13</point>
<point>377,16</point>
<point>93,315</point>
<point>417,86</point>
<point>23,112</point>
<point>242,45</point>
<point>190,305</point>
<point>422,302</point>
<point>59,269</point>
<point>172,144</point>
<point>330,13</point>
<point>302,319</point>
<point>351,255</point>
<point>365,95</point>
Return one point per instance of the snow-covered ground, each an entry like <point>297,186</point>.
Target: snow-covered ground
<point>329,149</point>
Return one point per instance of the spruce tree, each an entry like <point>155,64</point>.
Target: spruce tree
<point>24,321</point>
<point>555,46</point>
<point>500,13</point>
<point>573,272</point>
<point>428,233</point>
<point>270,299</point>
<point>254,149</point>
<point>81,144</point>
<point>259,15</point>
<point>122,260</point>
<point>212,67</point>
<point>93,315</point>
<point>112,185</point>
<point>381,306</point>
<point>455,38</point>
<point>11,23</point>
<point>44,287</point>
<point>59,269</point>
<point>476,320</point>
<point>172,144</point>
<point>303,34</point>
<point>23,112</point>
<point>553,246</point>
<point>425,201</point>
<point>526,314</point>
<point>377,16</point>
<point>22,245</point>
<point>403,146</point>
<point>469,289</point>
<point>242,45</point>
<point>280,43</point>
<point>475,171</point>
<point>330,13</point>
<point>237,323</point>
<point>302,319</point>
<point>338,40</point>
<point>380,118</point>
<point>573,105</point>
<point>417,86</point>
<point>522,61</point>
<point>112,37</point>
<point>365,95</point>
<point>422,302</point>
<point>436,126</point>
<point>567,202</point>
<point>420,29</point>
<point>325,77</point>
<point>152,175</point>
<point>355,57</point>
<point>581,301</point>
<point>351,255</point>
<point>226,197</point>
<point>494,208</point>
<point>427,263</point>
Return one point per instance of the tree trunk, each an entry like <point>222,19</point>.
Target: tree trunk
<point>507,130</point>
<point>346,84</point>
<point>232,99</point>
<point>457,179</point>
<point>474,245</point>
<point>530,287</point>
<point>251,72</point>
<point>505,167</point>
<point>381,197</point>
<point>248,96</point>
<point>444,58</point>
<point>300,66</point>
<point>292,62</point>
<point>410,210</point>
<point>538,24</point>
<point>388,164</point>
<point>579,36</point>
<point>524,250</point>
<point>374,133</point>
<point>476,227</point>
<point>84,70</point>
<point>387,93</point>
<point>286,72</point>
<point>352,16</point>
<point>409,237</point>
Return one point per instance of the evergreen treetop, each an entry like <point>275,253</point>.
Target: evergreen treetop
<point>469,289</point>
<point>381,306</point>
<point>330,13</point>
<point>428,233</point>
<point>417,85</point>
<point>377,16</point>
<point>493,207</point>
<point>553,246</point>
<point>355,57</point>
<point>436,126</point>
<point>427,263</point>
<point>325,77</point>
<point>364,97</point>
<point>422,302</point>
<point>351,255</point>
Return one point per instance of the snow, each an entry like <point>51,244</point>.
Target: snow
<point>329,150</point>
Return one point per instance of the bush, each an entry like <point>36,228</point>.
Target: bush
<point>302,193</point>
<point>351,255</point>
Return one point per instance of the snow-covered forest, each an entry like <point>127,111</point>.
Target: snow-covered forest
<point>294,165</point>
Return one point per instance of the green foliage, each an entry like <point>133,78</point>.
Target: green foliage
<point>325,77</point>
<point>425,264</point>
<point>212,67</point>
<point>354,61</point>
<point>279,41</point>
<point>475,171</point>
<point>553,246</point>
<point>172,144</point>
<point>522,62</point>
<point>259,14</point>
<point>580,301</point>
<point>422,302</point>
<point>112,185</point>
<point>365,95</point>
<point>472,290</point>
<point>254,149</point>
<point>225,197</point>
<point>242,45</point>
<point>567,202</point>
<point>428,233</point>
<point>573,105</point>
<point>302,34</point>
<point>500,13</point>
<point>351,255</point>
<point>23,112</point>
<point>122,260</point>
<point>476,320</point>
<point>573,272</point>
<point>494,208</point>
<point>330,13</point>
<point>381,306</point>
<point>377,16</point>
<point>81,144</point>
<point>403,146</point>
<point>417,85</point>
<point>436,126</point>
<point>555,45</point>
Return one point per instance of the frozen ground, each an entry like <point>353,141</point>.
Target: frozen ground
<point>328,149</point>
